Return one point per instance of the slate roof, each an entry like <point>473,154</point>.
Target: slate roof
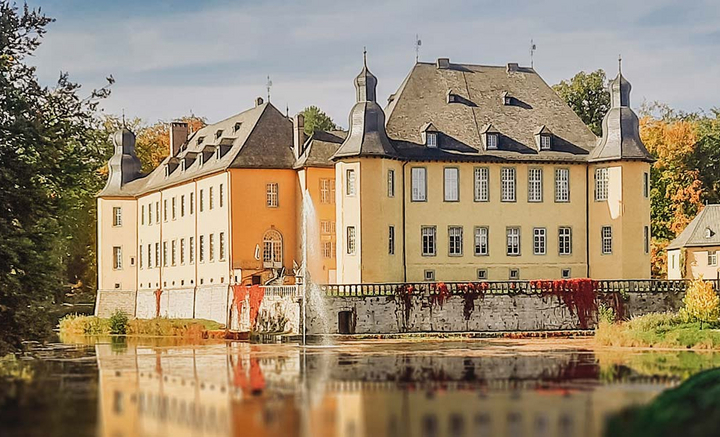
<point>260,137</point>
<point>422,98</point>
<point>319,149</point>
<point>695,233</point>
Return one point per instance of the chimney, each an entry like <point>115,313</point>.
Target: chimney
<point>258,101</point>
<point>298,134</point>
<point>443,63</point>
<point>512,67</point>
<point>179,131</point>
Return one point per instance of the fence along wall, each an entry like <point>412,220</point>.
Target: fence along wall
<point>502,306</point>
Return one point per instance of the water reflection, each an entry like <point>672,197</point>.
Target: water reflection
<point>495,388</point>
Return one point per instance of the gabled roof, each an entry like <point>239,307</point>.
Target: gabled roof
<point>422,99</point>
<point>319,149</point>
<point>696,233</point>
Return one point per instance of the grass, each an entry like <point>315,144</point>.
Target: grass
<point>663,330</point>
<point>74,324</point>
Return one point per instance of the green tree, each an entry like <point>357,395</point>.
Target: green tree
<point>587,95</point>
<point>316,119</point>
<point>707,156</point>
<point>50,148</point>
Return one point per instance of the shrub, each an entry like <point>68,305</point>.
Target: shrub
<point>84,325</point>
<point>701,303</point>
<point>606,313</point>
<point>118,322</point>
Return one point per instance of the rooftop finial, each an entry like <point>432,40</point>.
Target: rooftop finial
<point>365,56</point>
<point>123,118</point>
<point>619,64</point>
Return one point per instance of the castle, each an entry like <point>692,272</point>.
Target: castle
<point>469,173</point>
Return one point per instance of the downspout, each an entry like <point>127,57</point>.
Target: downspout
<point>194,212</point>
<point>587,219</point>
<point>228,254</point>
<point>403,224</point>
<point>162,252</point>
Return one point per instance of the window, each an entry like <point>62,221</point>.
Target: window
<point>150,215</point>
<point>606,233</point>
<point>391,183</point>
<point>452,188</point>
<point>211,248</point>
<point>712,258</point>
<point>351,240</point>
<point>117,216</point>
<point>117,257</point>
<point>350,182</point>
<point>514,274</point>
<point>236,127</point>
<point>142,215</point>
<point>646,185</point>
<point>221,195</point>
<point>455,239</point>
<point>535,184</point>
<point>481,241</point>
<point>211,199</point>
<point>482,182</point>
<point>157,212</point>
<point>492,141</point>
<point>202,200</point>
<point>513,241</point>
<point>157,254</point>
<point>174,208</point>
<point>192,203</point>
<point>419,184</point>
<point>539,235</point>
<point>191,250</point>
<point>562,185</point>
<point>218,134</point>
<point>565,273</point>
<point>482,273</point>
<point>328,249</point>
<point>646,239</point>
<point>391,240</point>
<point>709,233</point>
<point>221,243</point>
<point>182,206</point>
<point>431,139</point>
<point>429,275</point>
<point>272,249</point>
<point>508,184</point>
<point>165,254</point>
<point>564,240</point>
<point>327,227</point>
<point>202,249</point>
<point>271,195</point>
<point>428,234</point>
<point>601,184</point>
<point>545,142</point>
<point>327,191</point>
<point>149,256</point>
<point>182,251</point>
<point>165,210</point>
<point>174,252</point>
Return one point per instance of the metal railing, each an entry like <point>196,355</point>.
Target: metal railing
<point>281,291</point>
<point>505,287</point>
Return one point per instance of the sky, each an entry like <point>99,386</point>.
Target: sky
<point>211,58</point>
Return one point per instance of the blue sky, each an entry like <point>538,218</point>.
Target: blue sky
<point>212,57</point>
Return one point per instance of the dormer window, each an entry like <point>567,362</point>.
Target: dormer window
<point>709,233</point>
<point>237,127</point>
<point>429,135</point>
<point>543,138</point>
<point>182,165</point>
<point>492,141</point>
<point>545,142</point>
<point>200,140</point>
<point>431,139</point>
<point>218,134</point>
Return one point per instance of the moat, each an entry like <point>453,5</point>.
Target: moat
<point>119,387</point>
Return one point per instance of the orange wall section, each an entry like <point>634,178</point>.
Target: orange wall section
<point>251,217</point>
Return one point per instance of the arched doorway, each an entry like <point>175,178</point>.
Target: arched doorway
<point>272,249</point>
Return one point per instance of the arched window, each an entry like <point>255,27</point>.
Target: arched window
<point>272,249</point>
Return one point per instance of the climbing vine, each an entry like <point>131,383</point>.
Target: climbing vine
<point>439,293</point>
<point>404,294</point>
<point>471,292</point>
<point>255,294</point>
<point>158,293</point>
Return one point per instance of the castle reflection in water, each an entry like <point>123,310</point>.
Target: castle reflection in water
<point>240,389</point>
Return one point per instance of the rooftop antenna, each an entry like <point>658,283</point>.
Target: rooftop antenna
<point>364,56</point>
<point>123,118</point>
<point>533,47</point>
<point>619,64</point>
<point>418,43</point>
<point>268,85</point>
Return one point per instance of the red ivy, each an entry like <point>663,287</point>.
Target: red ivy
<point>256,294</point>
<point>579,296</point>
<point>158,293</point>
<point>439,295</point>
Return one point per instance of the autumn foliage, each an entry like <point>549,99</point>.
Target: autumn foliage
<point>701,302</point>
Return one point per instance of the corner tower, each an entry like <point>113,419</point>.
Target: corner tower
<point>369,193</point>
<point>619,212</point>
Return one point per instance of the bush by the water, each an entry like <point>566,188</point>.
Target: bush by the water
<point>119,323</point>
<point>702,303</point>
<point>668,330</point>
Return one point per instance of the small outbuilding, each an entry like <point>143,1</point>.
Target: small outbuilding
<point>694,252</point>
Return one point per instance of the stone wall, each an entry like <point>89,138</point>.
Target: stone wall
<point>276,314</point>
<point>491,313</point>
<point>107,301</point>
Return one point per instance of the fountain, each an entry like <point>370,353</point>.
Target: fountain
<point>312,293</point>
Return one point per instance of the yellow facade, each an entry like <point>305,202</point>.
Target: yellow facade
<point>319,183</point>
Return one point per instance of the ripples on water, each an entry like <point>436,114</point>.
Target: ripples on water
<point>154,387</point>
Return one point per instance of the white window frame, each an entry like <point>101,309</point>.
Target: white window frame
<point>431,139</point>
<point>191,250</point>
<point>201,252</point>
<point>507,190</point>
<point>481,241</point>
<point>513,241</point>
<point>602,182</point>
<point>182,251</point>
<point>712,258</point>
<point>482,184</point>
<point>192,203</point>
<point>157,254</point>
<point>391,240</point>
<point>351,240</point>
<point>202,200</point>
<point>149,256</point>
<point>451,184</point>
<point>150,214</point>
<point>391,183</point>
<point>221,195</point>
<point>514,274</point>
<point>564,240</point>
<point>562,185</point>
<point>174,208</point>
<point>211,248</point>
<point>646,185</point>
<point>539,241</point>
<point>142,214</point>
<point>165,254</point>
<point>646,239</point>
<point>211,199</point>
<point>182,206</point>
<point>545,142</point>
<point>327,191</point>
<point>272,195</point>
<point>221,245</point>
<point>482,274</point>
<point>492,141</point>
<point>429,275</point>
<point>428,240</point>
<point>535,184</point>
<point>117,216</point>
<point>165,210</point>
<point>117,257</point>
<point>606,240</point>
<point>455,241</point>
<point>418,184</point>
<point>350,183</point>
<point>173,248</point>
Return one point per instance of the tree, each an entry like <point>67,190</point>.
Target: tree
<point>707,154</point>
<point>49,149</point>
<point>316,119</point>
<point>153,142</point>
<point>587,95</point>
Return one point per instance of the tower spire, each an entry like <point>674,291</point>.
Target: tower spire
<point>364,56</point>
<point>619,64</point>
